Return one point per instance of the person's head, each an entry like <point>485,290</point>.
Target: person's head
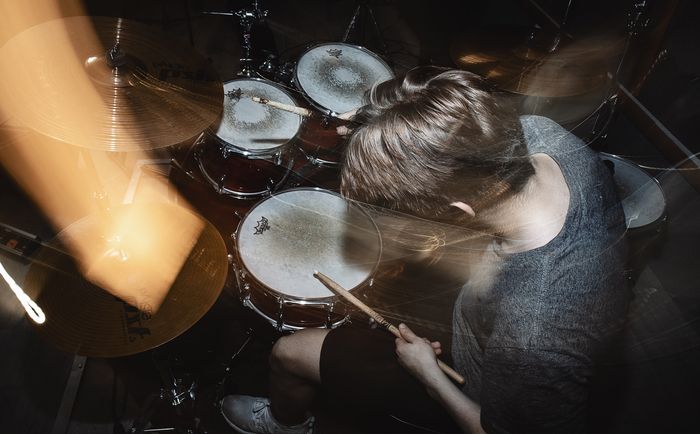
<point>432,138</point>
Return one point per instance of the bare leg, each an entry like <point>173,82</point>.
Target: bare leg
<point>295,374</point>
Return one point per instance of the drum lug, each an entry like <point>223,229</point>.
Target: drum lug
<point>220,184</point>
<point>270,186</point>
<point>371,281</point>
<point>329,314</point>
<point>280,314</point>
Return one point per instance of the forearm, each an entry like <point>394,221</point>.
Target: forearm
<point>465,412</point>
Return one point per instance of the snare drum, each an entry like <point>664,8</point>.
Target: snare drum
<point>334,77</point>
<point>289,235</point>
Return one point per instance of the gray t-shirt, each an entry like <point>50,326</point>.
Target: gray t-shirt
<point>527,345</point>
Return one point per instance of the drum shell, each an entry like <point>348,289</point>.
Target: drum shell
<point>643,238</point>
<point>320,142</point>
<point>288,312</point>
<point>235,175</point>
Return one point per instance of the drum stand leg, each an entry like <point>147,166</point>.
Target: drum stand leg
<point>364,6</point>
<point>222,383</point>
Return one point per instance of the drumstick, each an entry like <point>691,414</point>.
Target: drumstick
<point>339,290</point>
<point>286,107</point>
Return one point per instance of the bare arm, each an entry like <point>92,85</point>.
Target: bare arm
<point>417,355</point>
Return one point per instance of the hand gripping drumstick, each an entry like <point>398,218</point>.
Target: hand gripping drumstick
<point>286,107</point>
<point>339,290</point>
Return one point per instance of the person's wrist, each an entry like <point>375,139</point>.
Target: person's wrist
<point>434,381</point>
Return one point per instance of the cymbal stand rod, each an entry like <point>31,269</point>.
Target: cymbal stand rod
<point>357,15</point>
<point>222,383</point>
<point>246,18</point>
<point>637,20</point>
<point>98,192</point>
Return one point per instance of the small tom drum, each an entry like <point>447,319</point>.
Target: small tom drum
<point>246,154</point>
<point>252,129</point>
<point>289,235</point>
<point>335,76</point>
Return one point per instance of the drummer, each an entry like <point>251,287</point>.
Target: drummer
<point>439,144</point>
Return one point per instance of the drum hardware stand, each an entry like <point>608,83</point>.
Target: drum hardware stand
<point>364,6</point>
<point>175,393</point>
<point>60,425</point>
<point>636,21</point>
<point>247,17</point>
<point>227,370</point>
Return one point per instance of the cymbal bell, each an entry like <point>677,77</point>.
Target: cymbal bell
<point>512,60</point>
<point>108,84</point>
<point>82,318</point>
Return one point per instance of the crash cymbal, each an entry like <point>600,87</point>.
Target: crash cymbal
<point>84,319</point>
<point>515,61</point>
<point>108,84</point>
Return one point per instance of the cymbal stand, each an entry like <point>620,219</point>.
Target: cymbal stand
<point>364,7</point>
<point>178,393</point>
<point>247,17</point>
<point>637,20</point>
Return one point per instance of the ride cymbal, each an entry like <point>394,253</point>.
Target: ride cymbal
<point>84,319</point>
<point>516,62</point>
<point>108,84</point>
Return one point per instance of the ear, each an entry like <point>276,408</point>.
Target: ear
<point>464,207</point>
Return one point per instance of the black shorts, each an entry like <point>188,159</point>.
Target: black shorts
<point>360,371</point>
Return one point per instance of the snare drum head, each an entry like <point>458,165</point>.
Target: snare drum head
<point>288,236</point>
<point>254,127</point>
<point>336,76</point>
<point>642,198</point>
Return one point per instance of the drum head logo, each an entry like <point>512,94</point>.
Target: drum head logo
<point>261,226</point>
<point>335,52</point>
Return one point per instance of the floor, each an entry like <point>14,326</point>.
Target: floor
<point>648,385</point>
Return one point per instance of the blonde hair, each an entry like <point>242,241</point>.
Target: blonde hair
<point>434,137</point>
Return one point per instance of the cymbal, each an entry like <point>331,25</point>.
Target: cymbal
<point>515,62</point>
<point>84,319</point>
<point>108,84</point>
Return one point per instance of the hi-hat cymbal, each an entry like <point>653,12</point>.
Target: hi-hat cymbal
<point>515,62</point>
<point>84,319</point>
<point>108,84</point>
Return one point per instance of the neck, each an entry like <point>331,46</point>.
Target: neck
<point>534,216</point>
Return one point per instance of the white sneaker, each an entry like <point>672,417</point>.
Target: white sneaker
<point>252,415</point>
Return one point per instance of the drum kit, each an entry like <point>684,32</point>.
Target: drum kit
<point>159,94</point>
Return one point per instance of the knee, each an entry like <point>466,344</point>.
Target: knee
<point>299,354</point>
<point>284,356</point>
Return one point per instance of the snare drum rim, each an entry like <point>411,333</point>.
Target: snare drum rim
<point>308,300</point>
<point>322,109</point>
<point>259,153</point>
<point>664,215</point>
